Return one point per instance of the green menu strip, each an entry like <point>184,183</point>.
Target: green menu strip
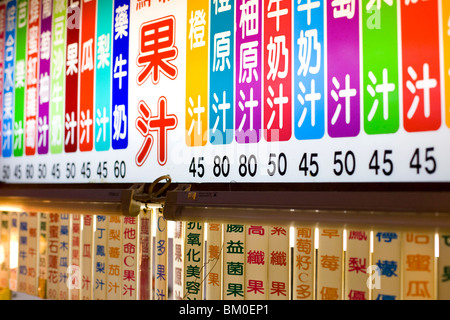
<point>58,76</point>
<point>380,68</point>
<point>20,75</point>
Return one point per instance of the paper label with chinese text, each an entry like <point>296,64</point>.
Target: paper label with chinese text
<point>418,265</point>
<point>357,259</point>
<point>256,264</point>
<point>387,257</point>
<point>214,261</point>
<point>279,261</point>
<point>330,263</point>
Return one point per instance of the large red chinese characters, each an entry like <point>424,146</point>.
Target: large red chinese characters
<point>161,124</point>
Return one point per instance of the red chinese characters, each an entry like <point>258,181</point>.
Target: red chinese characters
<point>157,49</point>
<point>161,124</point>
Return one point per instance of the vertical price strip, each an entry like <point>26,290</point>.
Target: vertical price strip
<point>120,80</point>
<point>277,102</point>
<point>343,70</point>
<point>44,245</point>
<point>130,249</point>
<point>233,262</point>
<point>100,247</point>
<point>73,25</point>
<point>64,255</point>
<point>304,264</point>
<point>193,261</point>
<point>58,58</point>
<point>197,73</point>
<point>74,270</point>
<point>114,257</point>
<point>309,70</point>
<point>421,66</point>
<point>145,255</point>
<point>23,252</point>
<point>8,82</point>
<point>380,68</point>
<point>330,263</point>
<point>53,250</point>
<point>20,77</point>
<point>178,260</point>
<point>45,51</point>
<point>279,261</point>
<point>2,52</point>
<point>221,72</point>
<point>33,257</point>
<point>256,267</point>
<point>87,261</point>
<point>387,257</point>
<point>31,100</point>
<point>248,74</point>
<point>87,67</point>
<point>418,265</point>
<point>214,261</point>
<point>161,259</point>
<point>103,68</point>
<point>357,260</point>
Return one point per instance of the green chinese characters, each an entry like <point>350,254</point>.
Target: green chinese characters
<point>380,67</point>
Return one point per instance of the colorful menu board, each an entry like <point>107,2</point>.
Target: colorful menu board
<point>232,90</point>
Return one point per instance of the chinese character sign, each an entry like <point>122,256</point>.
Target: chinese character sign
<point>87,257</point>
<point>256,258</point>
<point>99,256</point>
<point>214,261</point>
<point>343,68</point>
<point>120,66</point>
<point>53,250</point>
<point>31,95</point>
<point>248,75</point>
<point>72,72</point>
<point>356,263</point>
<point>418,265</point>
<point>277,81</point>
<point>304,263</point>
<point>2,53</point>
<point>387,258</point>
<point>309,70</point>
<point>58,73</point>
<point>33,253</point>
<point>330,263</point>
<point>233,262</point>
<point>279,263</point>
<point>178,260</point>
<point>23,253</point>
<point>20,77</point>
<point>197,73</point>
<point>221,68</point>
<point>8,79</point>
<point>161,258</point>
<point>193,260</point>
<point>114,258</point>
<point>380,68</point>
<point>43,255</point>
<point>421,67</point>
<point>87,69</point>
<point>130,250</point>
<point>44,78</point>
<point>103,65</point>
